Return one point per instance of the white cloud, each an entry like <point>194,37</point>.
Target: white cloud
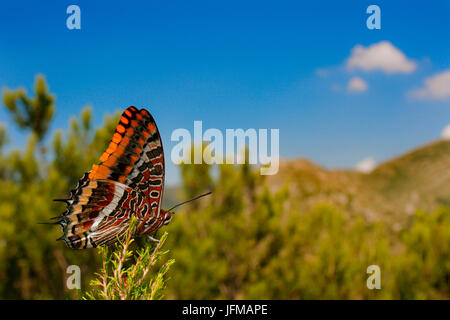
<point>445,134</point>
<point>366,165</point>
<point>356,84</point>
<point>380,56</point>
<point>436,87</point>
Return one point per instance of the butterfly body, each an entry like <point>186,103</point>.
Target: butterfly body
<point>128,181</point>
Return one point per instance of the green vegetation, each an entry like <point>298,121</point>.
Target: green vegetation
<point>251,243</point>
<point>122,279</point>
<point>306,233</point>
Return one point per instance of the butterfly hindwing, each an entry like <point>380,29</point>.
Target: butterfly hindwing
<point>98,213</point>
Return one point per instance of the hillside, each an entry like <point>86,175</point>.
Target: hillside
<point>393,191</point>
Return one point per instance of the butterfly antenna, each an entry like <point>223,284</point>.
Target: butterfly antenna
<point>49,223</point>
<point>195,198</point>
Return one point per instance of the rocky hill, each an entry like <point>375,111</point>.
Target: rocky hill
<point>393,191</point>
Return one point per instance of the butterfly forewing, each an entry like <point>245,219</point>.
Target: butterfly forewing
<point>129,180</point>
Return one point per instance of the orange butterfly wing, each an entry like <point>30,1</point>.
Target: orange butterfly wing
<point>135,155</point>
<point>129,180</point>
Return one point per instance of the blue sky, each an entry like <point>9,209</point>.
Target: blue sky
<point>236,64</point>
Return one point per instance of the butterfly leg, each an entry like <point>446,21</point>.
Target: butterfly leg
<point>153,239</point>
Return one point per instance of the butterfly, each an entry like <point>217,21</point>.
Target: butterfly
<point>128,181</point>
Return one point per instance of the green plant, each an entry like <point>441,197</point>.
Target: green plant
<point>121,280</point>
